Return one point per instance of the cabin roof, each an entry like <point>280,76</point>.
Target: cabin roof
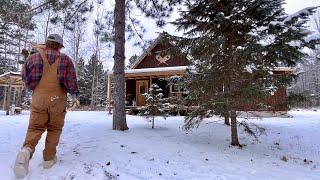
<point>10,73</point>
<point>154,71</point>
<point>11,78</point>
<point>148,51</point>
<point>286,69</point>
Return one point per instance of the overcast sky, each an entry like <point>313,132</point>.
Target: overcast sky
<point>291,6</point>
<point>295,5</point>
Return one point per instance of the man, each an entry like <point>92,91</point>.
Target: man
<point>50,75</point>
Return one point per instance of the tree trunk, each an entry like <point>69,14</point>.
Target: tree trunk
<point>226,119</point>
<point>234,131</point>
<point>93,88</point>
<point>46,31</point>
<point>152,122</point>
<point>119,114</point>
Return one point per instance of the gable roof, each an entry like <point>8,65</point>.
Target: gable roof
<point>148,51</point>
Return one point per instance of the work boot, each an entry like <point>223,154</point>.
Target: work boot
<point>49,164</point>
<point>21,165</point>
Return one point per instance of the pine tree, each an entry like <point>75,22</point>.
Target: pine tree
<point>83,86</point>
<point>155,105</point>
<point>93,91</point>
<point>14,28</point>
<point>132,59</point>
<point>234,46</point>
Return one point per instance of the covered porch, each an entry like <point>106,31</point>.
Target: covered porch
<point>138,82</point>
<point>12,86</point>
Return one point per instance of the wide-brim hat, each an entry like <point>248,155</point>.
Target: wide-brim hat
<point>55,38</point>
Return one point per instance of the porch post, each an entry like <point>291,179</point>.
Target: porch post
<point>14,96</point>
<point>5,98</point>
<point>8,101</point>
<point>109,89</point>
<point>20,96</point>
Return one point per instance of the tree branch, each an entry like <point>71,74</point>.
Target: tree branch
<point>74,13</point>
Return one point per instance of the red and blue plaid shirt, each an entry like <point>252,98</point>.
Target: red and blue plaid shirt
<point>33,68</point>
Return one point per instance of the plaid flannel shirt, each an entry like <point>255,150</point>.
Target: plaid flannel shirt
<point>33,68</point>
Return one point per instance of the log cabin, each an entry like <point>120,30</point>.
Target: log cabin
<point>156,64</point>
<point>153,66</point>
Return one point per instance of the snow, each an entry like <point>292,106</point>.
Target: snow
<point>306,11</point>
<point>89,149</point>
<point>249,68</point>
<point>10,73</point>
<point>313,37</point>
<point>148,70</point>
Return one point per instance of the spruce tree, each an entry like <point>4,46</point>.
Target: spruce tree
<point>234,46</point>
<point>132,60</point>
<point>93,79</point>
<point>14,27</point>
<point>83,86</point>
<point>155,105</point>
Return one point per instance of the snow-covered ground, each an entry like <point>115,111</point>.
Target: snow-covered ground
<point>89,149</point>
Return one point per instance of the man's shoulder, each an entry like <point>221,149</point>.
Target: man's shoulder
<point>34,57</point>
<point>65,57</point>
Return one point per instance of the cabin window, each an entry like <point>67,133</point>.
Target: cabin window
<point>175,88</point>
<point>142,90</point>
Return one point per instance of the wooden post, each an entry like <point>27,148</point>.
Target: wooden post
<point>109,88</point>
<point>109,97</point>
<point>8,102</point>
<point>14,96</point>
<point>20,96</point>
<point>4,98</point>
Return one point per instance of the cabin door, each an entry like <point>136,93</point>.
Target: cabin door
<point>141,88</point>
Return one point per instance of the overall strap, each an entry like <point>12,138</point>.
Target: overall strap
<point>43,57</point>
<point>58,60</point>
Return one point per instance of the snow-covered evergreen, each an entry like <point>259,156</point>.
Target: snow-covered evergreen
<point>234,46</point>
<point>155,105</point>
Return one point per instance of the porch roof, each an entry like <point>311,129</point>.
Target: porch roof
<point>287,69</point>
<point>177,70</point>
<point>12,79</point>
<point>161,71</point>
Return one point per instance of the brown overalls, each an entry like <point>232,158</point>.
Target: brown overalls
<point>47,111</point>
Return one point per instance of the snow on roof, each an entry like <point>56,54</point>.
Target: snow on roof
<point>181,69</point>
<point>283,69</point>
<point>149,70</point>
<point>10,73</point>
